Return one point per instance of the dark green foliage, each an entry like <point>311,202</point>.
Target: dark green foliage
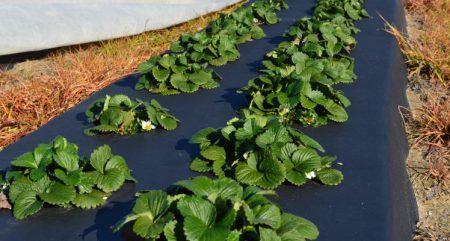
<point>172,74</point>
<point>54,174</point>
<point>119,114</point>
<point>202,209</point>
<point>298,78</point>
<point>187,69</point>
<point>262,151</point>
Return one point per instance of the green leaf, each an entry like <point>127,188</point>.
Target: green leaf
<point>145,67</point>
<point>26,204</point>
<point>247,174</point>
<point>199,220</point>
<point>118,100</point>
<point>58,194</point>
<point>306,159</point>
<point>214,153</point>
<point>149,228</point>
<point>234,236</point>
<point>111,180</point>
<point>271,18</point>
<point>295,177</point>
<point>268,214</point>
<point>338,113</point>
<point>185,86</point>
<point>274,174</point>
<point>268,235</point>
<point>269,173</point>
<point>37,174</point>
<point>225,188</point>
<point>202,136</point>
<point>275,133</point>
<point>90,200</point>
<point>200,165</point>
<point>200,77</point>
<point>99,157</point>
<point>160,74</point>
<point>176,47</point>
<point>41,185</point>
<point>308,141</point>
<point>330,176</point>
<point>43,152</point>
<point>177,79</point>
<point>66,160</point>
<point>26,160</point>
<point>153,203</point>
<point>299,57</point>
<point>120,163</point>
<point>169,231</point>
<point>87,182</point>
<point>150,215</point>
<point>167,122</point>
<point>294,228</point>
<point>19,186</point>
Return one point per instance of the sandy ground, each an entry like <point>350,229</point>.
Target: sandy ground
<point>433,195</point>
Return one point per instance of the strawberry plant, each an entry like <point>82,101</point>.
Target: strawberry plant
<point>261,151</point>
<point>186,69</point>
<point>173,74</point>
<point>119,114</point>
<point>202,209</point>
<point>298,76</point>
<point>54,174</point>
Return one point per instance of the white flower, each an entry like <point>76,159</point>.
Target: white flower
<point>245,155</point>
<point>310,175</point>
<point>104,198</point>
<point>147,125</point>
<point>255,20</point>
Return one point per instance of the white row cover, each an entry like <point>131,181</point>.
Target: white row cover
<point>30,25</point>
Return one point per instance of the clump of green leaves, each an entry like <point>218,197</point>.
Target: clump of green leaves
<point>261,151</point>
<point>121,115</point>
<point>299,88</point>
<point>298,76</point>
<point>202,209</point>
<point>201,47</point>
<point>172,74</point>
<point>187,69</point>
<point>54,174</point>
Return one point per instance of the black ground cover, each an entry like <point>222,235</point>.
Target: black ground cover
<point>374,203</point>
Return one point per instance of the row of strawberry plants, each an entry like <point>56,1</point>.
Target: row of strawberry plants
<point>260,149</point>
<point>297,81</point>
<point>187,68</point>
<point>54,174</point>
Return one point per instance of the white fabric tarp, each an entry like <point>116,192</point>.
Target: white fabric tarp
<point>30,25</point>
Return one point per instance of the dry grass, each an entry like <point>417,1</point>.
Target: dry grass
<point>34,92</point>
<point>427,48</point>
<point>427,121</point>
